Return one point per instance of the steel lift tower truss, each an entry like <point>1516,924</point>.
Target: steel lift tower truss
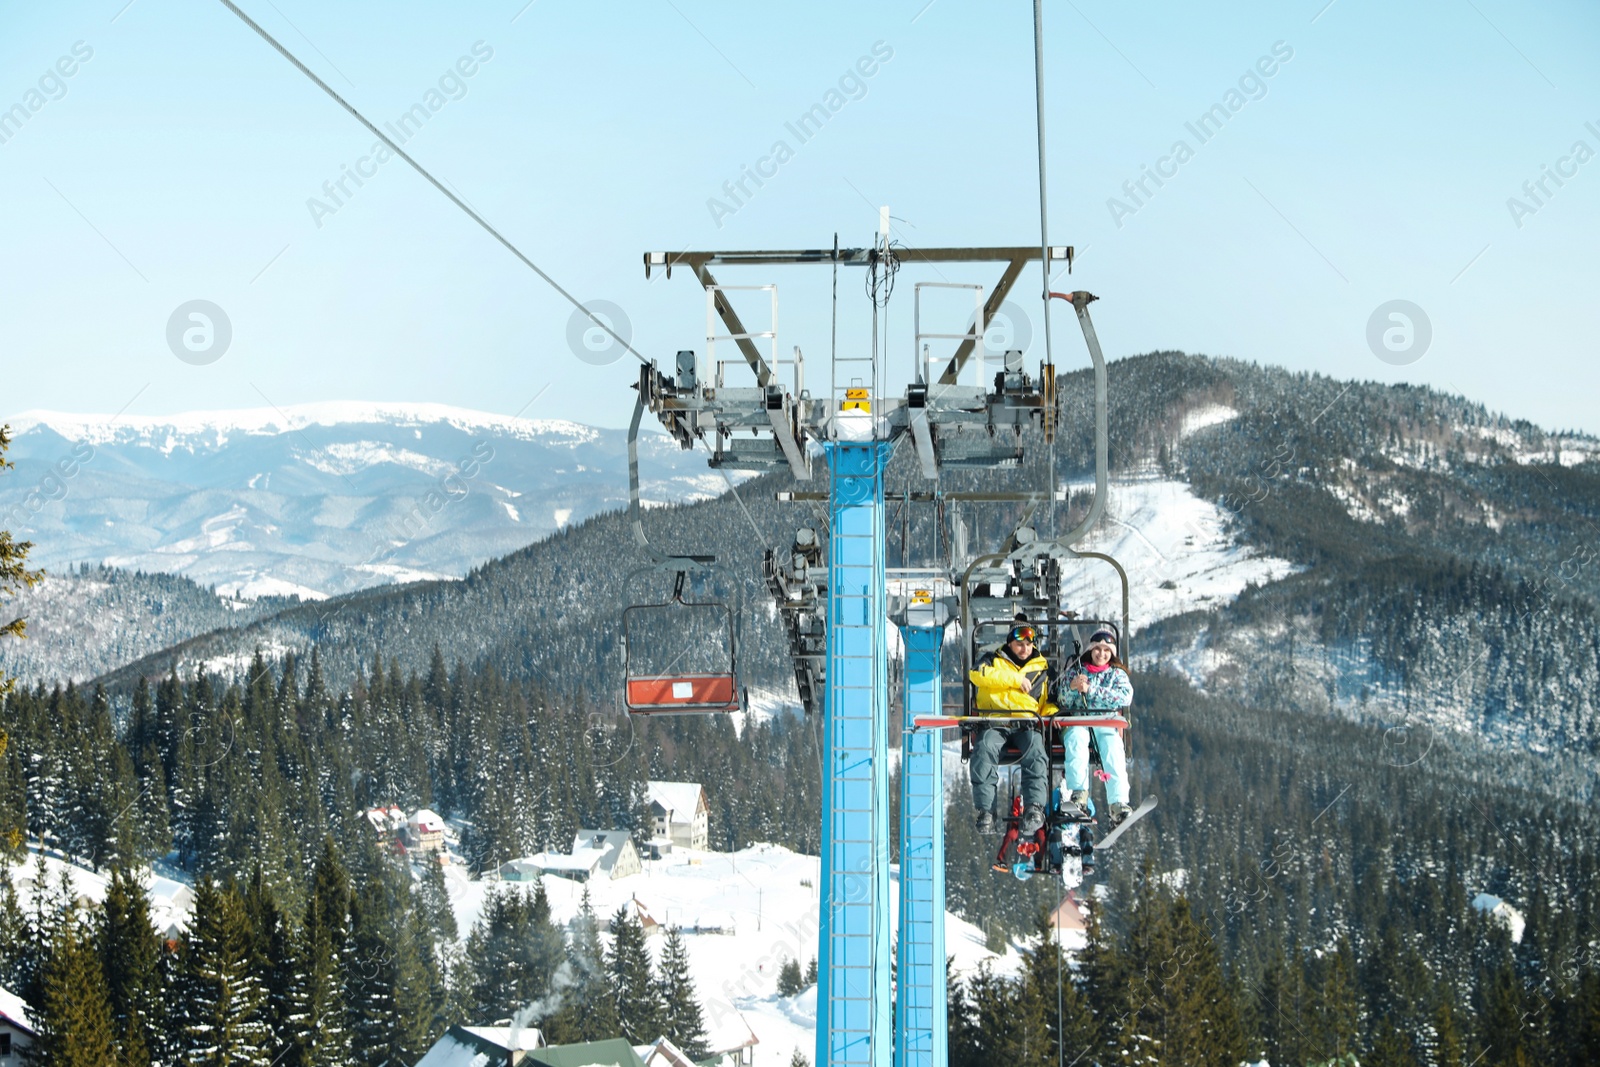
<point>772,425</point>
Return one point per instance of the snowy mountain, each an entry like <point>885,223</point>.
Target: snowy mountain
<point>321,499</point>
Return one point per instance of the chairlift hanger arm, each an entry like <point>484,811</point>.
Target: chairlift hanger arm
<point>1080,302</point>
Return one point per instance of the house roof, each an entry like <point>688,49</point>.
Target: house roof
<point>14,1010</point>
<point>730,1034</point>
<point>583,859</point>
<point>680,798</point>
<point>612,1053</point>
<point>426,821</point>
<point>663,1053</point>
<point>466,1046</point>
<point>606,844</point>
<point>509,1038</point>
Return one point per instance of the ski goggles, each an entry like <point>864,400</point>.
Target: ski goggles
<point>1022,633</point>
<point>1104,637</point>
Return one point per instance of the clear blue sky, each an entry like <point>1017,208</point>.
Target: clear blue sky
<point>177,162</point>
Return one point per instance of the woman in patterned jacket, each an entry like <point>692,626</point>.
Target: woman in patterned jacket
<point>1097,682</point>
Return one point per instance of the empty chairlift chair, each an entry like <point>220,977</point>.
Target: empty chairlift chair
<point>681,656</point>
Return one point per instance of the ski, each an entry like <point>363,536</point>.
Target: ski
<point>1145,807</point>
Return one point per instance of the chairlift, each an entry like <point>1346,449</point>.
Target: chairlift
<point>681,655</point>
<point>1023,587</point>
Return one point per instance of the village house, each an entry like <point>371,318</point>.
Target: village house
<point>596,854</point>
<point>679,813</point>
<point>1067,923</point>
<point>502,1046</point>
<point>425,831</point>
<point>647,922</point>
<point>16,1031</point>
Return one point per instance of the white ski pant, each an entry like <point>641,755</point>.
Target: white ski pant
<point>1075,775</point>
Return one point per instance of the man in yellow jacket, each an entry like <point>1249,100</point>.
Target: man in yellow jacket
<point>1012,680</point>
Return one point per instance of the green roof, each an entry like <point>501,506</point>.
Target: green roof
<point>613,1053</point>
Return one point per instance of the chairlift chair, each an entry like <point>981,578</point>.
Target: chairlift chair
<point>1029,591</point>
<point>655,688</point>
<point>686,681</point>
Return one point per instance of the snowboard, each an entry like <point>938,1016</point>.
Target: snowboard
<point>1145,807</point>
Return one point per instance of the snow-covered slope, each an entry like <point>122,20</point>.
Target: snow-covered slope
<point>1176,548</point>
<point>320,499</point>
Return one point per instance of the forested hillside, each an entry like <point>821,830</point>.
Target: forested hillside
<point>86,620</point>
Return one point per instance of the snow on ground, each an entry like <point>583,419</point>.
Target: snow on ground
<point>170,900</point>
<point>1176,549</point>
<point>762,899</point>
<point>259,584</point>
<point>1209,415</point>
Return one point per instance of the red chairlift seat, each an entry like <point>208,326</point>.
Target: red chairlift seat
<point>656,689</point>
<point>684,692</point>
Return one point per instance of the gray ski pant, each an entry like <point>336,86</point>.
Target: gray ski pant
<point>984,767</point>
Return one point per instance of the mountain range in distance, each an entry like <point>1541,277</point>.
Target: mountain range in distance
<point>321,499</point>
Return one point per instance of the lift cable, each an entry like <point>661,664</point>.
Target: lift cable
<point>418,167</point>
<point>1049,368</point>
<point>458,202</point>
<point>1044,250</point>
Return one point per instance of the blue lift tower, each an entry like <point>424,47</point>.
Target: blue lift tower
<point>965,409</point>
<point>921,604</point>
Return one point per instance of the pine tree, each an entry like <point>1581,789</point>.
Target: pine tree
<point>965,1045</point>
<point>274,946</point>
<point>1050,997</point>
<point>131,958</point>
<point>1448,1050</point>
<point>220,995</point>
<point>1334,1029</point>
<point>433,898</point>
<point>389,989</point>
<point>14,942</point>
<point>1391,1048</point>
<point>790,980</point>
<point>14,574</point>
<point>51,910</point>
<point>989,1027</point>
<point>588,1009</point>
<point>683,1021</point>
<point>319,1035</point>
<point>496,951</point>
<point>75,1027</point>
<point>633,990</point>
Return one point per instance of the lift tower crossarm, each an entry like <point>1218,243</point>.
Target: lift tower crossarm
<point>1015,258</point>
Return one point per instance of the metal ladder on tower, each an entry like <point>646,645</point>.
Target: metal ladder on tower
<point>853,972</point>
